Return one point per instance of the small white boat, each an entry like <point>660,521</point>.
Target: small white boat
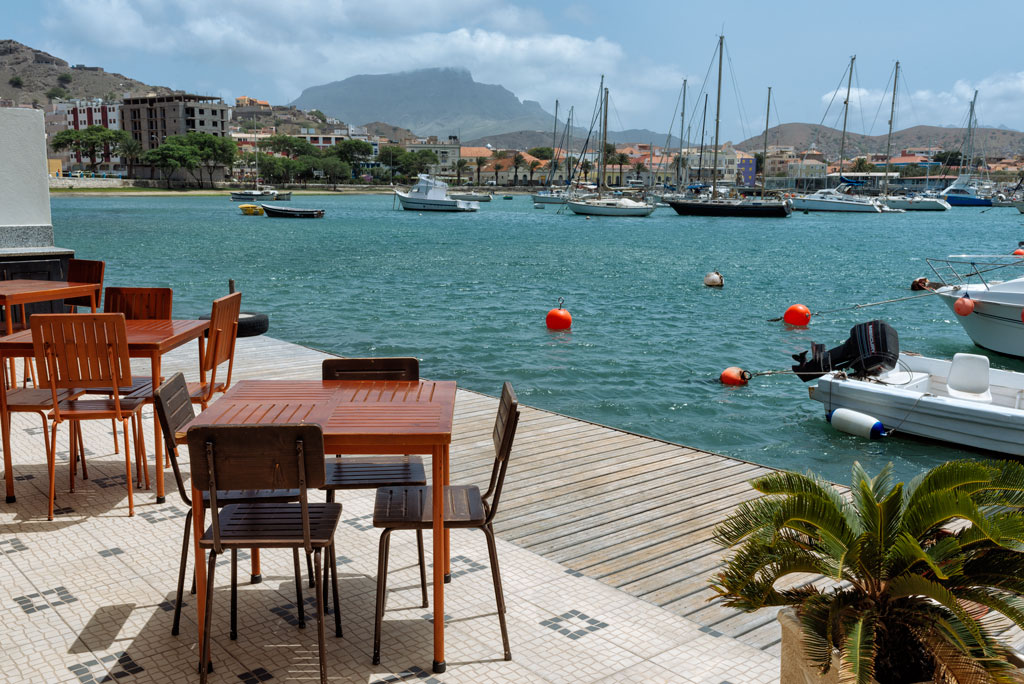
<point>430,194</point>
<point>915,203</point>
<point>470,196</point>
<point>550,197</point>
<point>834,199</point>
<point>610,206</point>
<point>962,401</point>
<point>261,195</point>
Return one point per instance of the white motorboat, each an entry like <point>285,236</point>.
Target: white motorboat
<point>610,206</point>
<point>550,197</point>
<point>1020,206</point>
<point>992,317</point>
<point>470,196</point>
<point>834,199</point>
<point>430,194</point>
<point>962,401</point>
<point>916,203</point>
<point>261,195</point>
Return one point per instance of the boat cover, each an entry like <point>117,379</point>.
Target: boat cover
<point>872,348</point>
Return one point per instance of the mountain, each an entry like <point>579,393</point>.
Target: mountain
<point>388,131</point>
<point>988,141</point>
<point>39,72</point>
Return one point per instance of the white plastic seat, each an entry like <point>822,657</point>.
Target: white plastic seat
<point>968,378</point>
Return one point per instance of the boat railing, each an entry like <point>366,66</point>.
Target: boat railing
<point>959,269</point>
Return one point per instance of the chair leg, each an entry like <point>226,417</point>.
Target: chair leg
<point>298,590</point>
<point>423,567</point>
<point>72,456</point>
<point>382,588</point>
<point>334,583</point>
<point>142,450</point>
<point>204,651</point>
<point>234,594</point>
<point>113,426</point>
<point>46,432</point>
<point>81,452</point>
<point>499,594</point>
<point>128,468</point>
<point>181,572</point>
<point>309,570</point>
<point>318,563</point>
<point>51,467</point>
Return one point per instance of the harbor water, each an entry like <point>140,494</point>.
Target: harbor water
<point>467,294</point>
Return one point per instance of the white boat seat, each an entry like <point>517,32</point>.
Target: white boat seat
<point>968,378</point>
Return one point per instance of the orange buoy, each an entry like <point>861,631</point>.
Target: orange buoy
<point>964,306</point>
<point>1019,251</point>
<point>798,315</point>
<point>734,375</point>
<point>559,319</point>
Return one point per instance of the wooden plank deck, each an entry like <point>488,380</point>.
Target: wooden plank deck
<point>633,512</point>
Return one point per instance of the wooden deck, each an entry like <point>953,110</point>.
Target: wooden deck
<point>633,512</point>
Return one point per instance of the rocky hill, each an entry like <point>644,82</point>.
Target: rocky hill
<point>388,131</point>
<point>27,75</point>
<point>988,141</point>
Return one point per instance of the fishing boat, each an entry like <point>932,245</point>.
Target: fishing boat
<point>745,207</point>
<point>291,212</point>
<point>470,196</point>
<point>430,194</point>
<point>607,206</point>
<point>261,195</point>
<point>988,309</point>
<point>873,389</point>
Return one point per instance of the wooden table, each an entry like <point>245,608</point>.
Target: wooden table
<point>357,417</point>
<point>20,292</point>
<point>146,340</point>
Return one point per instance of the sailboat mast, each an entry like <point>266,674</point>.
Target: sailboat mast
<point>554,144</point>
<point>888,141</point>
<point>604,142</point>
<point>700,159</point>
<point>846,112</point>
<point>718,109</point>
<point>970,134</point>
<point>764,158</point>
<point>682,129</point>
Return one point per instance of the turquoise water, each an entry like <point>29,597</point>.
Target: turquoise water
<point>468,293</point>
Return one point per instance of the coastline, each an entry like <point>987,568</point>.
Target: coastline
<point>207,192</point>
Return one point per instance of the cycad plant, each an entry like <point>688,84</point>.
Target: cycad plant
<point>918,578</point>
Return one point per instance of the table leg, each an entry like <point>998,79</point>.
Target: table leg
<point>9,326</point>
<point>158,442</point>
<point>199,560</point>
<point>447,533</point>
<point>255,576</point>
<point>437,480</point>
<point>5,426</point>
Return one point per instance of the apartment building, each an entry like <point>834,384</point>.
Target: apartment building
<point>448,152</point>
<point>77,115</point>
<point>152,118</point>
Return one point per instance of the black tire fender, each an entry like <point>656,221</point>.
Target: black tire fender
<point>250,323</point>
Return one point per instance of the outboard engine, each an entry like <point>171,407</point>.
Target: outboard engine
<point>872,348</point>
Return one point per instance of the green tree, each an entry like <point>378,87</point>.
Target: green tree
<point>534,165</point>
<point>862,165</point>
<point>545,153</point>
<point>353,152</point>
<point>460,166</point>
<point>128,149</point>
<point>56,93</point>
<point>171,156</point>
<point>213,151</point>
<point>639,169</point>
<point>585,167</point>
<point>87,142</point>
<point>948,158</point>
<point>289,145</point>
<point>334,169</point>
<point>902,566</point>
<point>318,115</point>
<point>481,162</point>
<point>64,79</point>
<point>499,154</point>
<point>912,170</point>
<point>758,162</point>
<point>390,156</point>
<point>416,162</point>
<point>16,82</point>
<point>518,161</point>
<point>621,159</point>
<point>498,166</point>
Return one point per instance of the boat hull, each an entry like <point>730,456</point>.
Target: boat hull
<point>289,212</point>
<point>916,411</point>
<point>803,204</point>
<point>916,204</point>
<point>585,209</point>
<point>549,199</point>
<point>470,197</point>
<point>993,325</point>
<point>418,204</point>
<point>753,209</point>
<point>967,201</point>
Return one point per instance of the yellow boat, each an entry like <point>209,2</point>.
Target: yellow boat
<point>251,209</point>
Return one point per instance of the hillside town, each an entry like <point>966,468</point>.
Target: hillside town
<point>284,135</point>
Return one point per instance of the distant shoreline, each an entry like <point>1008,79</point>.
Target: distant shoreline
<point>154,192</point>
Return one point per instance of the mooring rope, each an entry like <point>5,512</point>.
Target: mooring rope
<point>863,306</point>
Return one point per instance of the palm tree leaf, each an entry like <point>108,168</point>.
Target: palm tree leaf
<point>858,651</point>
<point>903,554</point>
<point>816,622</point>
<point>916,585</point>
<point>786,483</point>
<point>1009,605</point>
<point>931,511</point>
<point>1007,487</point>
<point>968,476</point>
<point>951,664</point>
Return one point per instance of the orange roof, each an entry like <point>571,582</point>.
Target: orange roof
<point>474,152</point>
<point>910,159</point>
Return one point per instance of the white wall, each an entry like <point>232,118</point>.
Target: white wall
<point>23,172</point>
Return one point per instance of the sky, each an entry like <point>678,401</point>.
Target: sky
<point>542,50</point>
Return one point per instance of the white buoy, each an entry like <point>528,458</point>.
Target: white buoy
<point>856,423</point>
<point>538,205</point>
<point>714,279</point>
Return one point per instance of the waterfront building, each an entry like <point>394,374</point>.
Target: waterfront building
<point>246,102</point>
<point>778,159</point>
<point>746,169</point>
<point>150,119</point>
<point>448,152</point>
<point>77,115</point>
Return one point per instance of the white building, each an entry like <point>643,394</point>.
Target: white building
<point>77,115</point>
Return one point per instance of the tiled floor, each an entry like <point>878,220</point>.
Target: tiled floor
<point>89,597</point>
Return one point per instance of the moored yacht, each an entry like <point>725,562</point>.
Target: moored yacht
<point>833,199</point>
<point>610,206</point>
<point>430,194</point>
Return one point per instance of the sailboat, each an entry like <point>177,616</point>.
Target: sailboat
<point>745,207</point>
<point>837,199</point>
<point>607,206</point>
<point>906,203</point>
<point>965,190</point>
<point>549,196</point>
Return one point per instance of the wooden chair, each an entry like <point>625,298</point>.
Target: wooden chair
<point>84,271</point>
<point>236,457</point>
<point>139,303</point>
<point>410,508</point>
<point>83,351</point>
<point>174,410</point>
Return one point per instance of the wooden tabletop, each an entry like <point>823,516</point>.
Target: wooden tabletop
<point>28,291</point>
<point>144,337</point>
<point>356,416</point>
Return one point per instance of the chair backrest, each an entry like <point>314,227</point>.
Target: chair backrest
<point>504,434</point>
<point>139,303</point>
<point>256,457</point>
<point>84,271</point>
<point>173,407</point>
<point>81,350</point>
<point>381,368</point>
<point>968,374</point>
<point>223,331</point>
